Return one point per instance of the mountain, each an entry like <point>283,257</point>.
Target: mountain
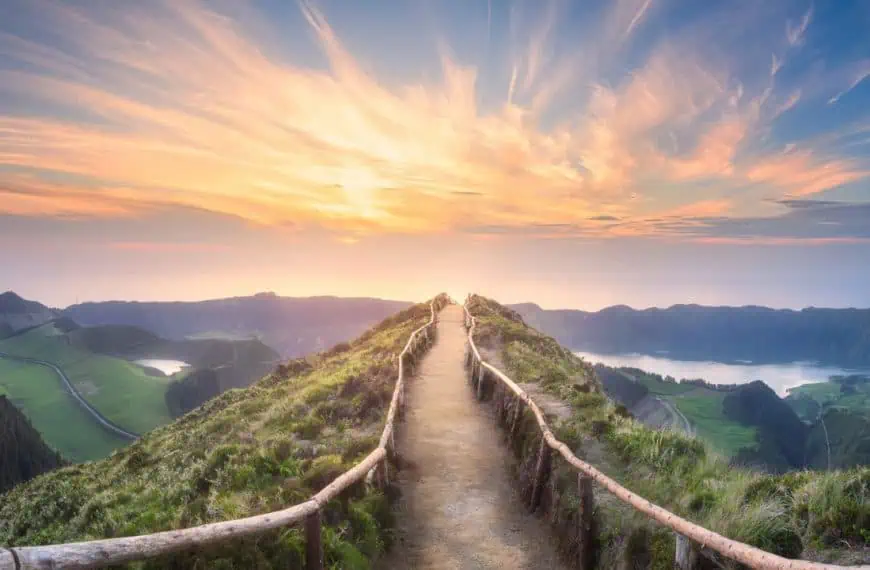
<point>694,332</point>
<point>23,454</point>
<point>292,326</point>
<point>17,314</point>
<point>244,452</point>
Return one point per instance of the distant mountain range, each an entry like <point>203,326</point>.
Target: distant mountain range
<point>293,326</point>
<point>17,314</point>
<point>725,334</point>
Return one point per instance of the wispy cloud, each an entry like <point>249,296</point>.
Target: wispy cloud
<point>795,32</point>
<point>174,104</point>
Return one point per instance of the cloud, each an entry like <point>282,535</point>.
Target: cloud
<point>175,104</point>
<point>858,78</point>
<point>796,33</point>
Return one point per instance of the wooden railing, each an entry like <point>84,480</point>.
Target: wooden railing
<point>690,538</point>
<point>99,553</point>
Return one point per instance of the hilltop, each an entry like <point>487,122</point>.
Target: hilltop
<point>244,452</point>
<point>18,314</point>
<point>291,325</point>
<point>805,514</point>
<point>724,334</point>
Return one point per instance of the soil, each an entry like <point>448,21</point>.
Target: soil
<point>458,507</point>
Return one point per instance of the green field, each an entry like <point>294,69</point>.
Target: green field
<point>120,390</point>
<point>703,408</point>
<point>64,425</point>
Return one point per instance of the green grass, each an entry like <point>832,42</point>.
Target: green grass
<point>64,425</point>
<point>245,452</point>
<point>703,409</point>
<point>118,389</point>
<point>655,384</point>
<point>784,514</point>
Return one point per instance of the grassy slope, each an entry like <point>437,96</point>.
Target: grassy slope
<point>64,426</point>
<point>245,452</point>
<point>813,512</point>
<point>828,394</point>
<point>120,390</point>
<point>703,408</point>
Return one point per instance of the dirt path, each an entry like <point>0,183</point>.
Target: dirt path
<point>459,509</point>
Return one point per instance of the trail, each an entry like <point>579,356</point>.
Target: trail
<point>71,390</point>
<point>458,507</point>
<point>675,412</point>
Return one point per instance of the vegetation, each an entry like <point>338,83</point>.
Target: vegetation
<point>23,454</point>
<point>245,452</point>
<point>191,390</point>
<point>64,425</point>
<point>817,515</point>
<point>122,391</point>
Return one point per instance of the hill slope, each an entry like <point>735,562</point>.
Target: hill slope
<point>245,452</point>
<point>97,362</point>
<point>18,314</point>
<point>694,332</point>
<point>813,515</point>
<point>23,454</point>
<point>292,326</point>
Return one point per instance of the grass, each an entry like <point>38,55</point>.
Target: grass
<point>118,389</point>
<point>703,408</point>
<point>64,425</point>
<point>242,453</point>
<point>788,514</point>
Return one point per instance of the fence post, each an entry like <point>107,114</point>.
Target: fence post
<point>586,536</point>
<point>542,471</point>
<point>313,542</point>
<point>481,376</point>
<point>686,556</point>
<point>518,411</point>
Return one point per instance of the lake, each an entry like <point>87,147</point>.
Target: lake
<point>780,377</point>
<point>168,367</point>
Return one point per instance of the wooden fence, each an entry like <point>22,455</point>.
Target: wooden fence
<point>99,553</point>
<point>690,538</point>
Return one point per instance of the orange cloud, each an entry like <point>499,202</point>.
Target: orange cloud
<point>184,108</point>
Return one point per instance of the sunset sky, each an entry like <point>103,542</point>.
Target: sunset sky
<point>574,154</point>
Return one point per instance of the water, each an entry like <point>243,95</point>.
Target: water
<point>168,367</point>
<point>780,377</point>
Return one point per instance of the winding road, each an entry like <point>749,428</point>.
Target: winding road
<point>71,390</point>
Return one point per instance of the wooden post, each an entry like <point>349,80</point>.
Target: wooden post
<point>586,548</point>
<point>313,542</point>
<point>481,376</point>
<point>542,472</point>
<point>687,556</point>
<point>518,411</point>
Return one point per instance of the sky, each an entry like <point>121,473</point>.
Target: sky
<point>576,154</point>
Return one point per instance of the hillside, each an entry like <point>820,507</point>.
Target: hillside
<point>23,454</point>
<point>839,412</point>
<point>292,326</point>
<point>725,334</point>
<point>18,314</point>
<point>821,516</point>
<point>97,362</point>
<point>246,451</point>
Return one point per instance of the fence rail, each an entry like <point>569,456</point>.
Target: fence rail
<point>100,553</point>
<point>687,532</point>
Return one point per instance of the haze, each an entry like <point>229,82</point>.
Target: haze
<point>574,154</point>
